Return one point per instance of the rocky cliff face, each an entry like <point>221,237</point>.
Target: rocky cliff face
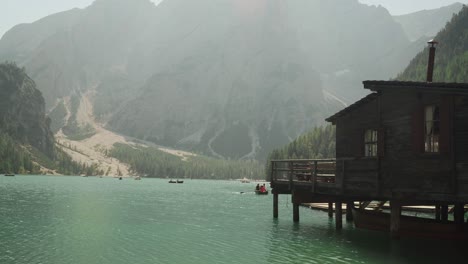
<point>22,112</point>
<point>231,78</point>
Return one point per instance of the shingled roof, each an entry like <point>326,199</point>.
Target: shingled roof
<point>350,108</point>
<point>458,88</point>
<point>376,86</point>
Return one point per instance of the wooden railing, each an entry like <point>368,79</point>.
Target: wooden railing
<point>303,170</point>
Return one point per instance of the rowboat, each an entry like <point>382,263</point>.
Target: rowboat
<point>172,181</point>
<point>9,175</point>
<point>410,225</point>
<point>258,192</point>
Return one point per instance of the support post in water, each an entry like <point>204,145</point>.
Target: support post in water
<point>395,215</point>
<point>338,215</point>
<point>295,212</point>
<point>330,210</point>
<point>349,211</point>
<point>459,215</point>
<point>437,213</point>
<point>275,205</point>
<point>444,213</point>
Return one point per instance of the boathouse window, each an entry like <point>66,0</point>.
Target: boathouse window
<point>370,143</point>
<point>431,129</point>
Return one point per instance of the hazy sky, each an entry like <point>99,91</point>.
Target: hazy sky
<point>14,12</point>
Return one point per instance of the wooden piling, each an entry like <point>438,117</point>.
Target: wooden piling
<point>338,216</point>
<point>437,213</point>
<point>444,213</point>
<point>275,205</point>
<point>459,215</point>
<point>330,210</point>
<point>295,212</point>
<point>349,211</point>
<point>395,214</point>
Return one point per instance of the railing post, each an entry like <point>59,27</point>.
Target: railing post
<point>314,175</point>
<point>272,173</point>
<point>291,172</point>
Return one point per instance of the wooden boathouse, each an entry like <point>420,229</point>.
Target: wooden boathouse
<point>405,142</point>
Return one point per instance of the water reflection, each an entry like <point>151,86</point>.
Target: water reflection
<point>91,220</point>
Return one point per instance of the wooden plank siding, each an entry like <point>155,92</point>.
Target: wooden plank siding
<point>461,146</point>
<point>403,168</point>
<point>401,171</point>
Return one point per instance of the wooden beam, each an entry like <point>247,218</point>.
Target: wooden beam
<point>275,205</point>
<point>437,213</point>
<point>395,215</point>
<point>330,210</point>
<point>338,216</point>
<point>295,212</point>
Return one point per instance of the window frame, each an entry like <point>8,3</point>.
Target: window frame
<point>371,146</point>
<point>431,141</point>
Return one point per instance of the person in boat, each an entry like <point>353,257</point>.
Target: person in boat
<point>262,188</point>
<point>257,188</point>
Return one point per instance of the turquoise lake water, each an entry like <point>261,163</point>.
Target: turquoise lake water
<point>71,220</point>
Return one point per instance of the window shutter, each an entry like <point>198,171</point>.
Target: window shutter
<point>417,129</point>
<point>445,124</point>
<point>380,142</point>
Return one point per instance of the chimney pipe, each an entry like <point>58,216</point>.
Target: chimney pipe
<point>430,66</point>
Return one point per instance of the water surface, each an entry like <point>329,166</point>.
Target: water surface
<point>76,220</point>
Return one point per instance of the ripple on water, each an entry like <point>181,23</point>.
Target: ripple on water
<point>78,220</point>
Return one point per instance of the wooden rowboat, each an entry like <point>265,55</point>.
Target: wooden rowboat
<point>409,225</point>
<point>172,181</point>
<point>261,193</point>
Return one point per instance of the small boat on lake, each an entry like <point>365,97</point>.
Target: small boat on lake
<point>137,178</point>
<point>177,181</point>
<point>409,225</point>
<point>9,174</point>
<point>258,192</point>
<point>244,180</point>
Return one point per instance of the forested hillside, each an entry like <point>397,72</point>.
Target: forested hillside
<point>319,143</point>
<point>152,162</point>
<point>451,61</point>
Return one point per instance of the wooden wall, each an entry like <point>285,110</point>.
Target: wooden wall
<point>403,166</point>
<point>461,144</point>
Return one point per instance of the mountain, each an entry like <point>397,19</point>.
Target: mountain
<point>22,110</point>
<point>228,78</point>
<point>426,23</point>
<point>27,145</point>
<point>451,60</point>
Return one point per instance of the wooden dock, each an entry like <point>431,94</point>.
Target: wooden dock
<point>314,184</point>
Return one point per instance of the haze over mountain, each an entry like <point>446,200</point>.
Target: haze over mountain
<point>451,60</point>
<point>232,79</point>
<point>427,23</point>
